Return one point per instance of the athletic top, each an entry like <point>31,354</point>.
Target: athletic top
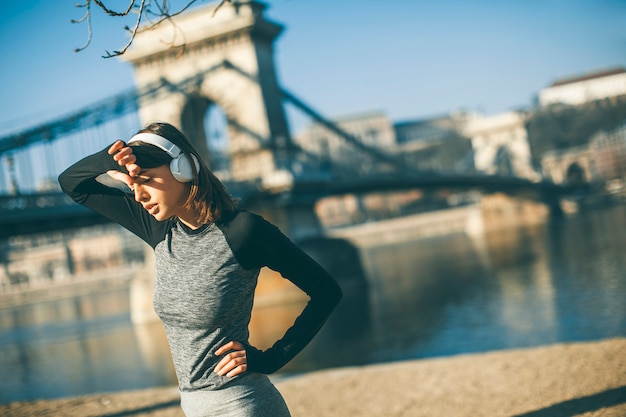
<point>205,278</point>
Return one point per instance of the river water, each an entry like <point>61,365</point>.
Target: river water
<point>560,281</point>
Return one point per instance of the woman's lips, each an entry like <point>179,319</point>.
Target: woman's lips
<point>151,208</point>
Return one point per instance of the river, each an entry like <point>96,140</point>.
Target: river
<point>559,281</point>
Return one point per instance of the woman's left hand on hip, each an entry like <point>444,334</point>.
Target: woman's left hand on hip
<point>234,362</point>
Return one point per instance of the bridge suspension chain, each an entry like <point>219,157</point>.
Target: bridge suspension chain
<point>100,115</point>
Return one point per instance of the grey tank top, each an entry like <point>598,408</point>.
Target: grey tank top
<point>204,298</point>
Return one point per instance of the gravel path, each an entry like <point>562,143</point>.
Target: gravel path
<point>580,379</point>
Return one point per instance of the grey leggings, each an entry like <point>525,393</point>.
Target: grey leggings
<point>250,396</point>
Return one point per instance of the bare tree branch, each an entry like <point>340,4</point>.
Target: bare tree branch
<point>114,13</point>
<point>143,8</point>
<point>133,32</point>
<point>87,17</point>
<point>220,5</point>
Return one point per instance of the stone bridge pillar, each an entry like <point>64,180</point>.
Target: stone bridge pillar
<point>141,288</point>
<point>224,59</point>
<point>299,222</point>
<point>500,145</point>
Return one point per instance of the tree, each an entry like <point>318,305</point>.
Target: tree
<point>152,12</point>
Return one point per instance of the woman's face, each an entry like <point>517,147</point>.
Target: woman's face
<point>159,193</point>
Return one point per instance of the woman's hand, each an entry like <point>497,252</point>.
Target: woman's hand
<point>122,177</point>
<point>124,156</point>
<point>234,363</point>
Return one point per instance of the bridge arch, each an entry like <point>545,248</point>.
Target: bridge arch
<point>206,124</point>
<point>504,161</point>
<point>568,166</point>
<point>227,60</point>
<point>575,174</point>
<point>217,131</point>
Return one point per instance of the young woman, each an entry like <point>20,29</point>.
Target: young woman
<point>208,256</point>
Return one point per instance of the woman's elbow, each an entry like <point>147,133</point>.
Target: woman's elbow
<point>335,294</point>
<point>62,179</point>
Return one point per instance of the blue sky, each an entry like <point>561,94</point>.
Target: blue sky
<point>407,58</point>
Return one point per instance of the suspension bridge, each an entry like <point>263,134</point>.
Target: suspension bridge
<point>228,66</point>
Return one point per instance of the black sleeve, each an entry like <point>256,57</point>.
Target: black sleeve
<point>79,182</point>
<point>258,243</point>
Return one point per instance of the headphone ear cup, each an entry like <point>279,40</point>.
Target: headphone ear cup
<point>181,167</point>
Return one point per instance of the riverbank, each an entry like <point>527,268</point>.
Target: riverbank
<point>578,379</point>
<point>76,286</point>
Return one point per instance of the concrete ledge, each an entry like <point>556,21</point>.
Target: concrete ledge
<point>88,283</point>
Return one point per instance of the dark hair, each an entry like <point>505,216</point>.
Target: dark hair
<point>208,197</point>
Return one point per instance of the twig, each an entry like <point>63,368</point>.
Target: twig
<point>86,16</point>
<point>114,13</point>
<point>144,8</point>
<point>132,36</point>
<point>218,7</point>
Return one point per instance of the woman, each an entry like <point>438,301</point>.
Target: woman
<point>208,256</point>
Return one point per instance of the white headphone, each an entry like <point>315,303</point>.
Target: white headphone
<point>180,166</point>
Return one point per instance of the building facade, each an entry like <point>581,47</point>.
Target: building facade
<point>33,261</point>
<point>583,89</point>
<point>608,150</point>
<point>573,165</point>
<point>603,159</point>
<point>373,129</point>
<point>425,130</point>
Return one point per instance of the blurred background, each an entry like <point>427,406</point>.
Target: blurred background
<point>459,168</point>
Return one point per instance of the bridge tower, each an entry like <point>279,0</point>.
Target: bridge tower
<point>228,53</point>
<point>500,145</point>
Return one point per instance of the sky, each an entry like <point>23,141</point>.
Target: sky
<point>410,59</point>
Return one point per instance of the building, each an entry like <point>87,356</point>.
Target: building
<point>373,129</point>
<point>573,165</point>
<point>603,159</point>
<point>430,129</point>
<point>585,88</point>
<point>435,144</point>
<point>459,142</point>
<point>32,261</point>
<point>608,151</point>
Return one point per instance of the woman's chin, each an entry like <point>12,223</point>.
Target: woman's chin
<point>160,216</point>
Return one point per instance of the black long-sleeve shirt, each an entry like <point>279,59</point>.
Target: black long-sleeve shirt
<point>205,278</point>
